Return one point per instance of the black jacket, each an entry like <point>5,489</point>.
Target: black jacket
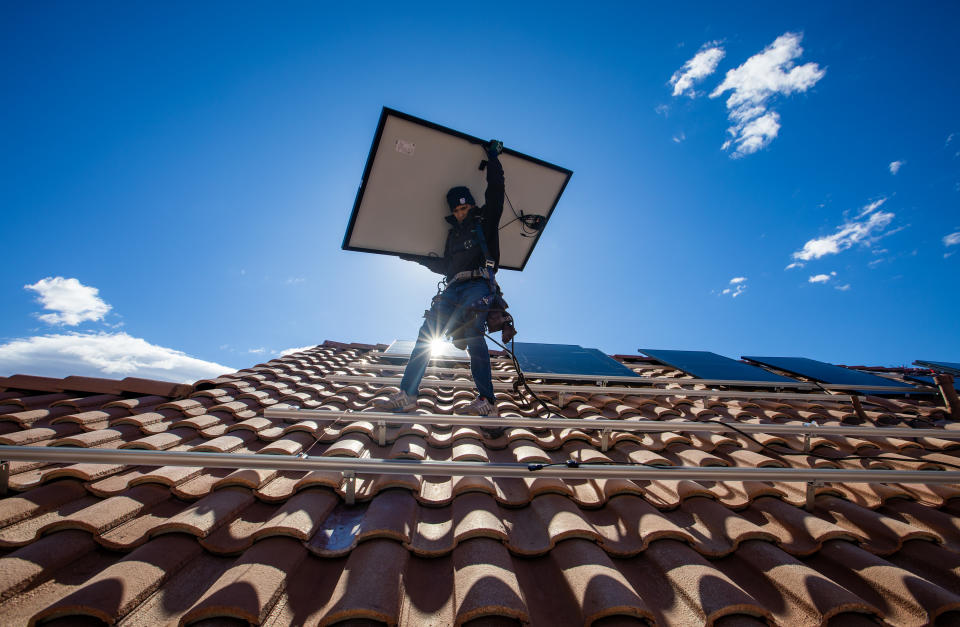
<point>462,250</point>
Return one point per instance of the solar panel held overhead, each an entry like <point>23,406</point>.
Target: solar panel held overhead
<point>707,365</point>
<point>401,203</point>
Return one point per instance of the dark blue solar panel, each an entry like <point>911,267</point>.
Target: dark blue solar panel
<point>941,366</point>
<point>403,348</point>
<point>707,365</point>
<point>827,373</point>
<point>568,359</point>
<point>929,381</point>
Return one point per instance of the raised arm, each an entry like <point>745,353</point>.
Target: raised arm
<point>495,184</point>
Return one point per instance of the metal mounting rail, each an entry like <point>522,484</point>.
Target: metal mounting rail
<point>643,426</point>
<point>350,467</point>
<point>567,389</point>
<point>798,385</point>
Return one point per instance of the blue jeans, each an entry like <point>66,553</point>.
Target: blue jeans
<point>450,313</point>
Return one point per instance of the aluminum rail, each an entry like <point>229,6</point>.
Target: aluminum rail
<point>350,467</point>
<point>70,455</point>
<point>647,426</point>
<point>566,389</point>
<point>799,385</point>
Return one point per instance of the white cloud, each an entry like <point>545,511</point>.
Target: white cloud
<point>679,137</point>
<point>257,351</point>
<point>952,239</point>
<point>295,280</point>
<point>865,229</point>
<point>755,83</point>
<point>662,109</point>
<point>696,69</point>
<point>821,278</point>
<point>895,166</point>
<point>739,284</point>
<point>949,139</point>
<point>72,301</point>
<point>111,355</point>
<point>795,264</point>
<point>842,288</point>
<point>290,351</point>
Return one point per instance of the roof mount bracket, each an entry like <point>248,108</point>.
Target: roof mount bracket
<point>381,433</point>
<point>561,399</point>
<point>811,494</point>
<point>604,439</point>
<point>806,436</point>
<point>350,487</point>
<point>4,477</point>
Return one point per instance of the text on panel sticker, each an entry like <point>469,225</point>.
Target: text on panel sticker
<point>405,147</point>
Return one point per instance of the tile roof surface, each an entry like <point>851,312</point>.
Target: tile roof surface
<point>93,543</point>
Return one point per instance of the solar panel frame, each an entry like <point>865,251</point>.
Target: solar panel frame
<point>715,367</point>
<point>568,359</point>
<point>947,367</point>
<point>829,373</point>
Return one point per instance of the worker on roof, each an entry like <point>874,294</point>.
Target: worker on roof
<point>470,260</point>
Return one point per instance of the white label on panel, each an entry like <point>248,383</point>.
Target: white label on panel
<point>405,147</point>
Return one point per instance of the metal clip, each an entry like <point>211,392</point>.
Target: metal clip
<point>382,433</point>
<point>561,398</point>
<point>605,439</point>
<point>4,477</point>
<point>351,486</point>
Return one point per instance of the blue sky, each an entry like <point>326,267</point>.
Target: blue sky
<point>177,177</point>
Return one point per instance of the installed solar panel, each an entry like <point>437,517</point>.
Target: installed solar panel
<point>941,366</point>
<point>827,373</point>
<point>707,365</point>
<point>567,359</point>
<point>929,381</point>
<point>444,350</point>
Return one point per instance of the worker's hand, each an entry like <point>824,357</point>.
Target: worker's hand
<point>493,147</point>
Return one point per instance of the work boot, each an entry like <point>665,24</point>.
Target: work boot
<point>483,407</point>
<point>401,402</point>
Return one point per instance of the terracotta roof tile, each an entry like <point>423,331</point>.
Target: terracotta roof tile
<point>115,591</point>
<point>538,549</point>
<point>251,587</point>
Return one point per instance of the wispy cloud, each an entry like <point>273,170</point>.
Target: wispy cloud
<point>113,355</point>
<point>295,280</point>
<point>821,278</point>
<point>257,351</point>
<point>866,228</point>
<point>290,351</point>
<point>754,84</point>
<point>739,286</point>
<point>696,69</point>
<point>895,166</point>
<point>951,240</point>
<point>843,288</point>
<point>795,264</point>
<point>72,301</point>
<point>679,137</point>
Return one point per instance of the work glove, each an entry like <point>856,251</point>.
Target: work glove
<point>493,147</point>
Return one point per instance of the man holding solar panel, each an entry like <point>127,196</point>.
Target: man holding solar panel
<point>470,260</point>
